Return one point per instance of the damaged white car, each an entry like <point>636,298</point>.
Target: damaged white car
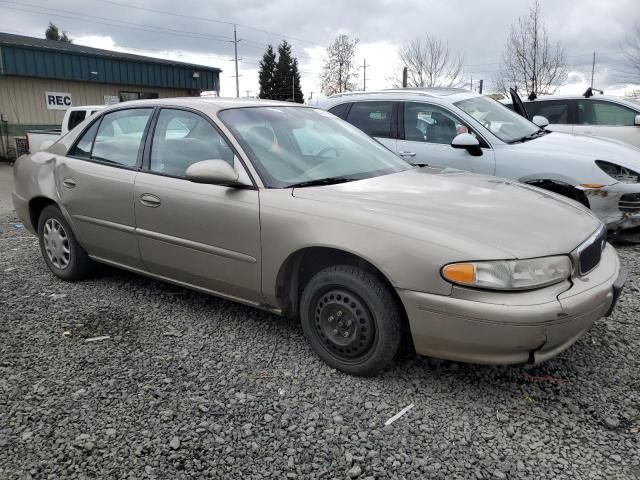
<point>464,130</point>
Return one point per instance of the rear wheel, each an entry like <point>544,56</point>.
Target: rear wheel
<point>61,252</point>
<point>351,320</point>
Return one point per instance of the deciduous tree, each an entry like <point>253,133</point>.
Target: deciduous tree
<point>339,72</point>
<point>530,61</point>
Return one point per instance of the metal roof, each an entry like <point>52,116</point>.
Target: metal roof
<point>36,57</point>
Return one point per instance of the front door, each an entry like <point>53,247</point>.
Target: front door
<point>426,133</point>
<point>202,235</point>
<point>96,182</point>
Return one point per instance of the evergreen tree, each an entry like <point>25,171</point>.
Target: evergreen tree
<point>267,74</point>
<point>283,73</point>
<point>299,98</point>
<point>53,33</point>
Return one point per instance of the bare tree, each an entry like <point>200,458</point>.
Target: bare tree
<point>339,73</point>
<point>631,52</point>
<point>430,63</point>
<point>530,61</point>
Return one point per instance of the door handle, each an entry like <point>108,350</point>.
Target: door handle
<point>149,200</point>
<point>69,182</point>
<point>407,154</point>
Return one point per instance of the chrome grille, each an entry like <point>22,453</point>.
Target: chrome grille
<point>590,252</point>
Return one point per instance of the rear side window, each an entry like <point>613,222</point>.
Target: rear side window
<point>182,138</point>
<point>340,110</point>
<point>82,149</point>
<point>76,118</point>
<point>373,118</point>
<point>115,138</point>
<point>556,111</point>
<point>598,112</point>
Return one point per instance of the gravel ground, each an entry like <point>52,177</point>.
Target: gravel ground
<point>190,386</point>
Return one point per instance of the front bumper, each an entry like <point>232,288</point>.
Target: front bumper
<point>617,205</point>
<point>503,328</point>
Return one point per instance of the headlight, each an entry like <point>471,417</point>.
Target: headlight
<point>617,172</point>
<point>509,274</point>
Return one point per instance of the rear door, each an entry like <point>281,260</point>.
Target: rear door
<point>425,135</point>
<point>96,181</point>
<point>602,118</point>
<point>202,235</point>
<point>377,119</point>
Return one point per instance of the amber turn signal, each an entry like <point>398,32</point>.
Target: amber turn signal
<point>463,273</point>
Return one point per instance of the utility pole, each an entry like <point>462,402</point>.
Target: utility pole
<point>340,77</point>
<point>480,88</point>
<point>593,68</point>
<point>248,92</point>
<point>405,77</point>
<point>364,75</point>
<point>235,48</point>
<point>293,87</point>
<point>471,83</point>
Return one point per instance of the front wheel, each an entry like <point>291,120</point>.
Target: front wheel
<point>351,319</point>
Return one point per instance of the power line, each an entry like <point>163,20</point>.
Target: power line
<point>209,19</point>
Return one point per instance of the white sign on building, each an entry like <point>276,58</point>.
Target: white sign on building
<point>58,100</point>
<point>111,99</point>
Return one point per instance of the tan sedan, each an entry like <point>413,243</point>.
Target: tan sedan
<point>292,210</point>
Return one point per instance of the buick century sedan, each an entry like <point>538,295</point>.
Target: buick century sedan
<point>292,210</point>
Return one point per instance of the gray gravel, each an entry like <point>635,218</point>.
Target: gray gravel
<point>190,386</point>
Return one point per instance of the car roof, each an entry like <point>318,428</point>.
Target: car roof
<point>211,104</point>
<point>565,96</point>
<point>444,94</point>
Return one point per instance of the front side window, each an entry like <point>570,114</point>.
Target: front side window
<point>119,136</point>
<point>289,145</point>
<point>505,124</point>
<point>556,111</point>
<point>182,138</point>
<point>598,112</point>
<point>431,124</point>
<point>373,118</point>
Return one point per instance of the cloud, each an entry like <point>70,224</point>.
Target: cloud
<point>475,29</point>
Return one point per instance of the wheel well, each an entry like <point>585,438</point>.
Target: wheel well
<point>563,189</point>
<point>302,265</point>
<point>36,205</point>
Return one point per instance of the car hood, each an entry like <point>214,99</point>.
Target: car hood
<point>591,148</point>
<point>461,210</point>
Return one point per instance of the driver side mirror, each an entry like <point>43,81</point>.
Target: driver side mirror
<point>637,120</point>
<point>468,142</point>
<point>540,121</point>
<point>214,172</point>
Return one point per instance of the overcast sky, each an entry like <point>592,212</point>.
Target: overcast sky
<point>195,31</point>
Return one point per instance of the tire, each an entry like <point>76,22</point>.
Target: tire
<point>351,320</point>
<point>61,251</point>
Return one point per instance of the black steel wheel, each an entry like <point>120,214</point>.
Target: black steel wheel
<point>351,319</point>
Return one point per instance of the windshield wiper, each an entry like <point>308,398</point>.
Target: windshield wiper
<point>321,181</point>
<point>531,136</point>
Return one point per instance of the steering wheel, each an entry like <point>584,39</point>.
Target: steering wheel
<point>328,149</point>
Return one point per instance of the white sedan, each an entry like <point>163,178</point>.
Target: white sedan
<point>464,130</point>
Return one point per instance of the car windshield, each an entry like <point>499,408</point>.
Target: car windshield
<point>299,145</point>
<point>505,124</point>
